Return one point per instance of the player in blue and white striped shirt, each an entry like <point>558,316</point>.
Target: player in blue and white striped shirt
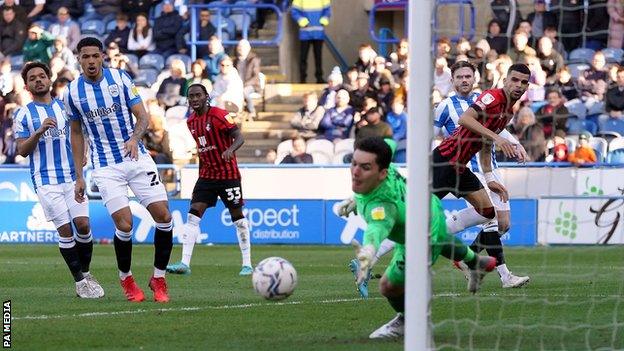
<point>447,116</point>
<point>101,104</point>
<point>42,132</point>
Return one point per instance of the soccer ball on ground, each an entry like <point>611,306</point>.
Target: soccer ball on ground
<point>274,278</point>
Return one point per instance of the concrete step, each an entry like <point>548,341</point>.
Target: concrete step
<point>288,89</point>
<point>281,107</point>
<point>261,143</point>
<point>275,116</point>
<point>264,125</point>
<point>275,134</point>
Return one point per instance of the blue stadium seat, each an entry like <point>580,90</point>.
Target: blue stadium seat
<point>612,125</point>
<point>581,55</point>
<point>17,62</point>
<point>110,26</point>
<point>43,24</point>
<point>600,147</point>
<point>616,156</point>
<point>535,106</point>
<point>616,144</point>
<point>87,17</point>
<point>613,55</point>
<point>93,26</point>
<point>225,12</point>
<point>154,61</point>
<point>577,108</point>
<point>241,20</point>
<point>134,59</point>
<point>185,58</point>
<point>146,77</point>
<point>88,7</point>
<point>576,69</point>
<point>577,126</point>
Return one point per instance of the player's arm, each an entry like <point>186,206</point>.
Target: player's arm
<point>140,128</point>
<point>238,141</point>
<point>469,121</point>
<point>521,153</point>
<point>26,142</point>
<point>76,138</point>
<point>485,159</point>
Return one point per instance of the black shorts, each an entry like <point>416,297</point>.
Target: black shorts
<point>207,191</point>
<point>447,178</point>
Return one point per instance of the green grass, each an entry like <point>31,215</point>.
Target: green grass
<point>574,302</point>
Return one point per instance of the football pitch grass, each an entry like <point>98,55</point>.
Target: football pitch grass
<point>574,302</point>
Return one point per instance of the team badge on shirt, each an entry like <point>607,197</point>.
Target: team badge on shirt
<point>113,89</point>
<point>378,213</point>
<point>207,127</point>
<point>487,99</point>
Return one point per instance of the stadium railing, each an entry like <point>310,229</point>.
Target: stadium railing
<point>399,5</point>
<point>221,10</point>
<point>460,21</point>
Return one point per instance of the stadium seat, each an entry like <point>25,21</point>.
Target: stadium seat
<point>400,155</point>
<point>535,106</point>
<point>577,108</point>
<point>322,151</point>
<point>134,59</point>
<point>577,126</point>
<point>612,125</point>
<point>146,77</point>
<point>571,143</point>
<point>581,55</point>
<point>241,20</point>
<point>88,7</point>
<point>607,135</point>
<point>176,114</point>
<point>616,144</point>
<point>146,93</point>
<point>87,17</point>
<point>181,141</point>
<point>616,157</point>
<point>283,149</point>
<point>43,24</point>
<point>576,69</point>
<point>600,146</point>
<point>342,149</point>
<point>225,12</point>
<point>17,62</point>
<point>613,55</point>
<point>93,26</point>
<point>153,61</point>
<point>185,58</point>
<point>110,26</point>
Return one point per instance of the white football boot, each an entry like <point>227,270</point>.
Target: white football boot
<point>393,329</point>
<point>95,285</point>
<point>514,281</point>
<point>84,290</point>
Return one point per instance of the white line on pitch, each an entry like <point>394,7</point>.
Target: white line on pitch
<point>196,308</point>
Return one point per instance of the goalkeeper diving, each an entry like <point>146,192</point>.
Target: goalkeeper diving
<point>380,199</point>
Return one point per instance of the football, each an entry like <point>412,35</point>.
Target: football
<point>274,278</point>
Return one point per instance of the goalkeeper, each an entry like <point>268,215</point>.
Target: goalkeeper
<point>380,198</point>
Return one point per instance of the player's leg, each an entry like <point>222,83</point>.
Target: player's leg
<point>392,287</point>
<point>231,194</point>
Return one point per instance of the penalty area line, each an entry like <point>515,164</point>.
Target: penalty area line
<point>183,309</point>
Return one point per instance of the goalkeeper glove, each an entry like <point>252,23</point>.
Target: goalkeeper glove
<point>346,206</point>
<point>365,255</point>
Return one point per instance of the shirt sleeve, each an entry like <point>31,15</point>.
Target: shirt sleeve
<point>487,100</point>
<point>20,125</point>
<point>131,91</point>
<point>226,120</point>
<point>380,217</point>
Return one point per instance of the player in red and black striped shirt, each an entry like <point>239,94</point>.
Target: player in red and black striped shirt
<point>478,129</point>
<point>217,138</point>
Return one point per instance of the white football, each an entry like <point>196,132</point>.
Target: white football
<point>274,278</point>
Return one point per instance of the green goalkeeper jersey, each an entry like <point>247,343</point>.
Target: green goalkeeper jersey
<point>383,209</point>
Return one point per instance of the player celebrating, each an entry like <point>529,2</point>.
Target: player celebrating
<point>447,119</point>
<point>380,198</point>
<point>217,138</point>
<point>478,127</point>
<point>42,129</point>
<point>101,102</point>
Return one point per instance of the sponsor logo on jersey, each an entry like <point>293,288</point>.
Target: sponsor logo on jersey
<point>102,111</point>
<point>207,127</point>
<point>378,213</point>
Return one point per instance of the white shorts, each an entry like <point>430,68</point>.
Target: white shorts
<point>141,176</point>
<point>498,203</point>
<point>59,204</point>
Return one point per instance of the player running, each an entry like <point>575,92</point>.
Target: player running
<point>217,138</point>
<point>42,129</point>
<point>478,129</point>
<point>447,116</point>
<point>380,198</point>
<point>101,103</point>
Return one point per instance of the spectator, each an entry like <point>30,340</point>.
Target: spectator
<point>502,13</point>
<point>170,90</point>
<point>206,31</point>
<point>12,33</point>
<point>334,83</point>
<point>402,90</point>
<point>36,47</point>
<point>366,57</point>
<point>593,82</point>
<point>75,7</point>
<point>442,76</point>
<point>570,16</point>
<point>169,31</point>
<point>352,75</point>
<point>106,7</point>
<point>398,59</point>
<point>540,19</point>
<point>551,61</point>
<point>498,42</point>
<point>380,72</point>
<point>499,72</point>
<point>213,60</point>
<point>536,91</point>
<point>228,87</point>
<point>560,149</point>
<point>66,27</point>
<point>357,97</point>
<point>121,61</point>
<point>312,16</point>
<point>58,87</point>
<point>33,8</point>
<point>385,95</point>
<point>530,134</point>
<point>121,32</point>
<point>614,101</point>
<point>141,39</point>
<point>584,153</point>
<point>156,141</point>
<point>247,64</point>
<point>597,27</point>
<point>462,47</point>
<point>567,86</point>
<point>478,56</point>
<point>271,156</point>
<point>6,78</point>
<point>397,119</point>
<point>374,126</point>
<point>198,75</point>
<point>298,154</point>
<point>135,7</point>
<point>554,115</point>
<point>20,13</point>
<point>59,70</point>
<point>59,49</point>
<point>526,27</point>
<point>551,33</point>
<point>337,122</point>
<point>306,120</point>
<point>521,48</point>
<point>616,23</point>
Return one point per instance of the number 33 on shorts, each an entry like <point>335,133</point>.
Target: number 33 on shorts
<point>233,194</point>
